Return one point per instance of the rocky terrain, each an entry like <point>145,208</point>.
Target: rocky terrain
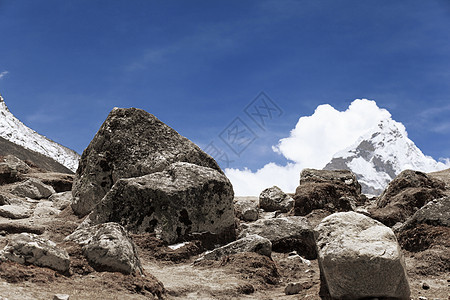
<point>148,215</point>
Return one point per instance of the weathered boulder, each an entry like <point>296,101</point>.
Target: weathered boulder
<point>286,234</point>
<point>8,198</point>
<point>409,191</point>
<point>250,243</point>
<point>130,143</point>
<point>61,200</point>
<point>336,190</point>
<point>108,248</point>
<point>246,208</point>
<point>45,209</point>
<point>12,169</point>
<point>60,182</point>
<point>274,199</point>
<point>15,212</point>
<point>428,227</point>
<point>359,258</point>
<point>183,199</point>
<point>28,248</point>
<point>32,188</point>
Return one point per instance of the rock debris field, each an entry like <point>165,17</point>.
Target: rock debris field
<point>149,215</point>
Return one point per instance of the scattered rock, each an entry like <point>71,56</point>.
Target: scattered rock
<point>336,190</point>
<point>14,227</point>
<point>61,200</point>
<point>108,248</point>
<point>130,143</point>
<point>428,227</point>
<point>425,286</point>
<point>15,212</point>
<point>293,288</point>
<point>409,191</point>
<point>182,200</point>
<point>28,248</point>
<point>60,182</point>
<point>32,188</point>
<point>246,208</point>
<point>12,169</point>
<point>286,234</point>
<point>274,199</point>
<point>359,258</point>
<point>61,297</point>
<point>7,198</point>
<point>250,243</point>
<point>44,209</point>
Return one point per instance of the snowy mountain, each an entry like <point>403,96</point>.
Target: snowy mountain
<point>380,155</point>
<point>16,132</point>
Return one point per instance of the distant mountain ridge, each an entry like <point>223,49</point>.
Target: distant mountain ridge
<point>380,155</point>
<point>13,130</point>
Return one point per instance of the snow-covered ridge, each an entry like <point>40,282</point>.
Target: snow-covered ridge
<point>381,154</point>
<point>16,132</point>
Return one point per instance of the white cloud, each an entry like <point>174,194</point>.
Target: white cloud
<point>311,144</point>
<point>3,74</point>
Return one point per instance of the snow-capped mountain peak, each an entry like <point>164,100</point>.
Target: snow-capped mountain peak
<point>381,154</point>
<point>18,133</point>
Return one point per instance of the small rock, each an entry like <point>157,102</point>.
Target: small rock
<point>61,297</point>
<point>28,248</point>
<point>246,208</point>
<point>272,199</point>
<point>33,188</point>
<point>250,243</point>
<point>425,286</point>
<point>15,212</point>
<point>61,200</point>
<point>44,209</point>
<point>293,288</point>
<point>423,298</point>
<point>108,247</point>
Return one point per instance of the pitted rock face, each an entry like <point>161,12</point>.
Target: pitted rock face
<point>183,199</point>
<point>130,143</point>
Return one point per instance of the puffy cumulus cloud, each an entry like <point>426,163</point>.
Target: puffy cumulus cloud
<point>311,144</point>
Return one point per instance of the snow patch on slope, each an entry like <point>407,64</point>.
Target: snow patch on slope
<point>18,133</point>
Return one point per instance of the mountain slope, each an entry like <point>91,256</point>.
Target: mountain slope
<point>380,155</point>
<point>18,133</point>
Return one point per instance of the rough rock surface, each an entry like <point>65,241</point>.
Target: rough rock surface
<point>130,143</point>
<point>12,169</point>
<point>246,208</point>
<point>250,243</point>
<point>409,191</point>
<point>28,248</point>
<point>286,234</point>
<point>183,199</point>
<point>274,199</point>
<point>428,227</point>
<point>59,181</point>
<point>61,200</point>
<point>336,190</point>
<point>32,188</point>
<point>359,258</point>
<point>109,248</point>
<point>15,212</point>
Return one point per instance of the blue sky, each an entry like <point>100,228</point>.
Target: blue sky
<point>196,65</point>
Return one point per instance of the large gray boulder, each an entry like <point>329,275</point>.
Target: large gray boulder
<point>108,248</point>
<point>286,234</point>
<point>32,188</point>
<point>15,211</point>
<point>28,248</point>
<point>274,199</point>
<point>130,143</point>
<point>183,199</point>
<point>12,169</point>
<point>250,243</point>
<point>359,258</point>
<point>336,190</point>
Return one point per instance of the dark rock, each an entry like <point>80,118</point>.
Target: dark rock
<point>182,200</point>
<point>59,181</point>
<point>274,199</point>
<point>409,191</point>
<point>285,234</point>
<point>130,143</point>
<point>12,169</point>
<point>334,191</point>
